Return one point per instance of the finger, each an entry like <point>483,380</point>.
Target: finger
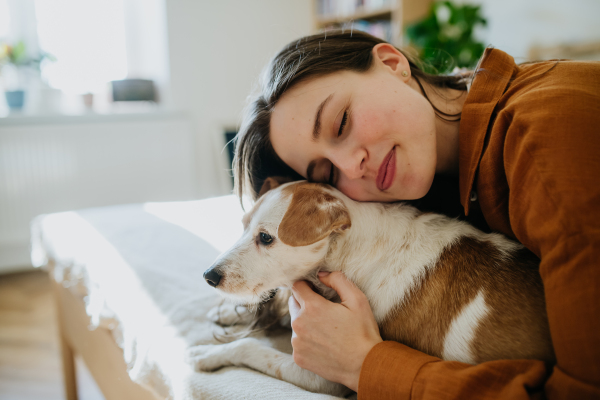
<point>303,293</point>
<point>347,290</point>
<point>294,307</point>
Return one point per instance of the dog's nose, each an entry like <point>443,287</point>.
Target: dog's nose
<point>212,277</point>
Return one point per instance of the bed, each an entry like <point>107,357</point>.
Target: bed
<point>131,298</point>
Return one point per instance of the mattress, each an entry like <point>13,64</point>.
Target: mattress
<point>138,268</point>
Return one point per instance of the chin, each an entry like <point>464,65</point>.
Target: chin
<point>412,188</point>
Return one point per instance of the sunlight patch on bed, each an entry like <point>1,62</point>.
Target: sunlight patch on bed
<point>218,221</point>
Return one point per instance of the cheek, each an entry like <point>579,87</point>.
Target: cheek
<point>370,126</point>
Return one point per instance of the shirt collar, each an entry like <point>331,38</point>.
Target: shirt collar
<point>491,77</point>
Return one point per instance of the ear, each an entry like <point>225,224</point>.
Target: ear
<point>312,215</point>
<point>272,182</point>
<point>390,57</point>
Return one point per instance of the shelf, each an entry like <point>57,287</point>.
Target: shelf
<point>51,119</point>
<point>397,13</point>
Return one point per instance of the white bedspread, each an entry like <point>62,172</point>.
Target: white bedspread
<point>139,268</point>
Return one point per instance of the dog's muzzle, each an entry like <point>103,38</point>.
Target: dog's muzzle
<point>212,276</point>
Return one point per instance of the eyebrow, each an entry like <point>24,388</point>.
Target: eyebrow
<point>317,127</point>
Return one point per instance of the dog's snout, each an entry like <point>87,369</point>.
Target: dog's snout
<point>212,276</point>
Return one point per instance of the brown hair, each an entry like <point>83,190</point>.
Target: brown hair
<point>309,57</point>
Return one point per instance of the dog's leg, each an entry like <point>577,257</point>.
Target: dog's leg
<point>254,354</point>
<point>228,314</point>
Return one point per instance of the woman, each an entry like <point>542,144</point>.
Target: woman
<point>518,151</point>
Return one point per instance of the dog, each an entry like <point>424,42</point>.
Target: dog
<point>434,283</point>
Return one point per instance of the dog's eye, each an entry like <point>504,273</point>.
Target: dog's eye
<point>265,238</point>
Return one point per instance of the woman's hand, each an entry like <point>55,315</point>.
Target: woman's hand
<point>330,339</point>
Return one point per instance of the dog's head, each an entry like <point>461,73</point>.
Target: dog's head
<point>286,235</point>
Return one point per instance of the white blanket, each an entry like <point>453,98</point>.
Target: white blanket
<point>139,268</point>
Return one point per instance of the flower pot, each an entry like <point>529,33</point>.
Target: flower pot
<point>15,99</point>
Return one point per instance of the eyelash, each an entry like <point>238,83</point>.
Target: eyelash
<point>344,120</point>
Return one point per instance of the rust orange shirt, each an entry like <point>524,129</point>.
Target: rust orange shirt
<point>530,162</point>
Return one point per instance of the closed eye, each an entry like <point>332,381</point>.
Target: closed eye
<point>330,181</point>
<point>344,120</point>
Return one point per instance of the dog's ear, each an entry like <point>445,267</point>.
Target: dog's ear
<point>272,182</point>
<point>312,215</point>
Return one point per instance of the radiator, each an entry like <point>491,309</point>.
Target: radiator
<point>64,163</point>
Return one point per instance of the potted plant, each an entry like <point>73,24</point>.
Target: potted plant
<point>445,38</point>
<point>14,63</point>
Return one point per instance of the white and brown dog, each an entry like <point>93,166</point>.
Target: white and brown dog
<point>434,283</point>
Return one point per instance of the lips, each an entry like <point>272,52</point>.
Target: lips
<point>387,170</point>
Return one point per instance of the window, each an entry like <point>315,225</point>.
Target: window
<point>88,40</point>
<point>93,41</point>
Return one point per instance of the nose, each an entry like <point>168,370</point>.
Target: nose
<point>350,161</point>
<point>212,276</point>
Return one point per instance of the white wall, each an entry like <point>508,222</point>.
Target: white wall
<point>60,163</point>
<point>217,49</point>
<point>516,25</point>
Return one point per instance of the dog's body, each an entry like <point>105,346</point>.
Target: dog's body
<point>435,284</point>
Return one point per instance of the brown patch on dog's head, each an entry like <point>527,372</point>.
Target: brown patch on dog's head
<point>312,215</point>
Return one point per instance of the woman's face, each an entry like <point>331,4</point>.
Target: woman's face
<point>372,135</point>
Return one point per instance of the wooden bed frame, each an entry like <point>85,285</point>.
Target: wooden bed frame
<point>102,355</point>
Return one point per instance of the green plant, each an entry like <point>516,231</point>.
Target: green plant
<point>445,39</point>
<point>17,56</point>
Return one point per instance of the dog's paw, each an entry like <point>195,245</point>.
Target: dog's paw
<point>206,358</point>
<point>228,314</point>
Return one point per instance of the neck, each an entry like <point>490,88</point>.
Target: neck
<point>447,146</point>
<point>449,102</point>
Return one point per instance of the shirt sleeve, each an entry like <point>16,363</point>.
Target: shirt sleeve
<point>552,165</point>
<point>395,371</point>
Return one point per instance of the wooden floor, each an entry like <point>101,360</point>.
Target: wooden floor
<point>29,355</point>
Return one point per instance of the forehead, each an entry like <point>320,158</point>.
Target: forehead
<point>293,117</point>
<point>298,104</point>
<point>303,98</point>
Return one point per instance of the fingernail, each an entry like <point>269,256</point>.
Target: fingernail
<point>323,273</point>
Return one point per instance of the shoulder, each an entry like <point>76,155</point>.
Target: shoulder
<point>570,85</point>
<point>559,99</point>
<point>549,117</point>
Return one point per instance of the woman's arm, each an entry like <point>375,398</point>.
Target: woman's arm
<point>341,342</point>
